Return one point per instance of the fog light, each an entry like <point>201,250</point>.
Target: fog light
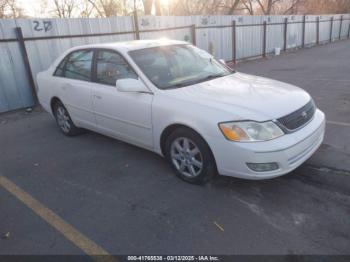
<point>262,167</point>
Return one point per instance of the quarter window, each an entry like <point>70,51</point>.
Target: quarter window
<point>60,68</point>
<point>111,66</point>
<point>78,65</point>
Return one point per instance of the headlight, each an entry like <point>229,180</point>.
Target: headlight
<point>250,131</point>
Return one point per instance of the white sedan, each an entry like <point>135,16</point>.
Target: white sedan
<point>178,101</point>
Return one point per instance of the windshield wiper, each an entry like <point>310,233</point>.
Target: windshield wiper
<point>209,77</point>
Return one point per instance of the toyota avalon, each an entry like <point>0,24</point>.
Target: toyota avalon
<point>179,101</point>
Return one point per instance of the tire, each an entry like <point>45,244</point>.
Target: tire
<point>190,156</point>
<point>64,120</point>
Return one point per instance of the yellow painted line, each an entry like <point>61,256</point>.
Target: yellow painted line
<point>338,123</point>
<point>72,234</point>
<point>219,226</point>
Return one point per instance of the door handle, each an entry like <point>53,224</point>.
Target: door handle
<point>98,97</point>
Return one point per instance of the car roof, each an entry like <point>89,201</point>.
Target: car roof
<point>133,45</point>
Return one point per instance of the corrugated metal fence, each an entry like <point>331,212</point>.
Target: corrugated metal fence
<point>28,46</point>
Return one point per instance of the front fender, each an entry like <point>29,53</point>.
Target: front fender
<point>167,112</point>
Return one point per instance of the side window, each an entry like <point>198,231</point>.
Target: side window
<point>78,65</point>
<point>111,66</point>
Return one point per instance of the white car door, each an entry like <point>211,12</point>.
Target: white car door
<point>125,115</point>
<point>75,85</point>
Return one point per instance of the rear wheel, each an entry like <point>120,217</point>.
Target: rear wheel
<point>190,156</point>
<point>64,120</point>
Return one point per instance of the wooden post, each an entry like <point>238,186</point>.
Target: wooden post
<point>331,30</point>
<point>285,34</point>
<point>193,33</point>
<point>26,63</point>
<point>303,36</point>
<point>234,43</point>
<point>318,30</point>
<point>340,26</point>
<point>264,38</point>
<point>136,26</point>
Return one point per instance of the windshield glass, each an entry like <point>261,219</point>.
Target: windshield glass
<point>177,65</point>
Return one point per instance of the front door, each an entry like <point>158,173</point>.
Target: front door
<point>124,115</point>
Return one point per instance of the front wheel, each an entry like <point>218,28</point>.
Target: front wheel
<point>190,156</point>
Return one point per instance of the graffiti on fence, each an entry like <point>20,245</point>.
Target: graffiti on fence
<point>208,20</point>
<point>145,22</point>
<point>44,25</point>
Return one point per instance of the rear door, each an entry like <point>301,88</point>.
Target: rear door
<point>75,75</point>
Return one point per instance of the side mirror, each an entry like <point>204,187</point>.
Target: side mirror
<point>131,85</point>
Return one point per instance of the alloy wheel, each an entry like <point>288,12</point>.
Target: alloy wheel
<point>63,119</point>
<point>186,157</point>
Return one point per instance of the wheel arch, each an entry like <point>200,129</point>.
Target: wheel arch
<point>171,128</point>
<point>53,101</point>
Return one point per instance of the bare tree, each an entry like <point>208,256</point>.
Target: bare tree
<point>211,7</point>
<point>86,9</point>
<point>147,5</point>
<point>125,7</point>
<point>107,8</point>
<point>158,6</point>
<point>198,7</point>
<point>3,8</point>
<point>293,8</point>
<point>233,6</point>
<point>252,7</point>
<point>248,6</point>
<point>324,6</point>
<point>10,9</point>
<point>266,5</point>
<point>64,8</point>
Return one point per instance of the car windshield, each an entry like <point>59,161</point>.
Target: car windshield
<point>177,66</point>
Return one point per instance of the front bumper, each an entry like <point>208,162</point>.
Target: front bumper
<point>289,151</point>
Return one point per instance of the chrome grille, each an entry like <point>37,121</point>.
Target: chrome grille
<point>299,117</point>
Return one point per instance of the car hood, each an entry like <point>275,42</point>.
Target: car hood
<point>245,96</point>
